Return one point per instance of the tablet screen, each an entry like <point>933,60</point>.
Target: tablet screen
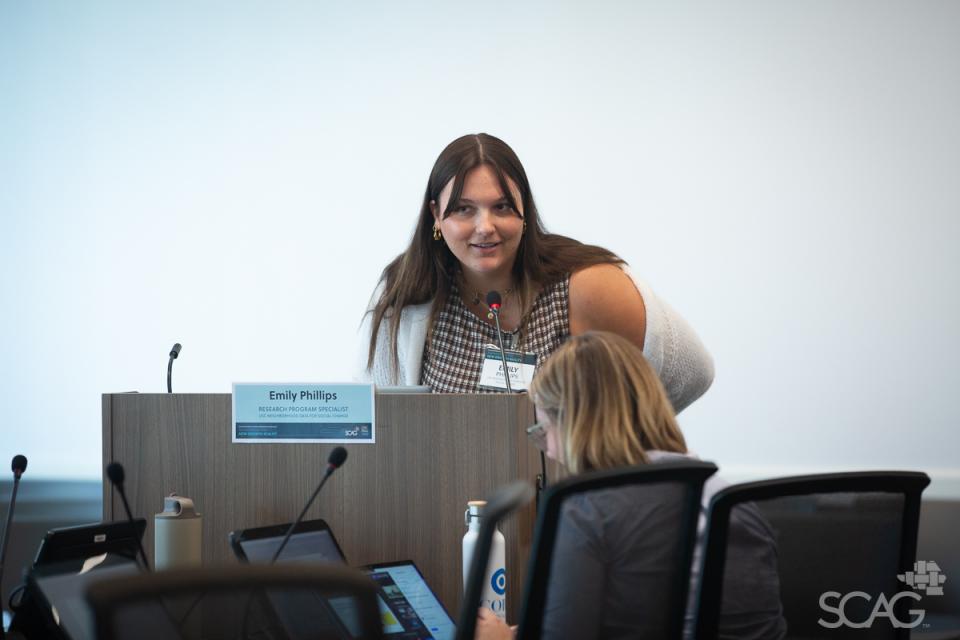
<point>408,607</point>
<point>311,546</point>
<point>312,541</point>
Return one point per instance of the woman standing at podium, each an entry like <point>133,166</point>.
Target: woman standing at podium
<point>479,231</point>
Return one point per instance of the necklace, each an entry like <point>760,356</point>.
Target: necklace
<point>511,340</point>
<point>476,301</point>
<point>477,295</point>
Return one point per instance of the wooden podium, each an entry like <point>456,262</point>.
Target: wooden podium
<point>401,498</point>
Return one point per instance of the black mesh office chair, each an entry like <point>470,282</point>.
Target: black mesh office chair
<point>835,534</point>
<point>238,602</point>
<point>504,501</point>
<point>663,507</point>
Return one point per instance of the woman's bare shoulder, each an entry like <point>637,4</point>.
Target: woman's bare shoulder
<point>604,298</point>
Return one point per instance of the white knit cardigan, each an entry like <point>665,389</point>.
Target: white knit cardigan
<point>670,346</point>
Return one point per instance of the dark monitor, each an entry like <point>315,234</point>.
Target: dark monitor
<point>69,547</point>
<point>312,541</point>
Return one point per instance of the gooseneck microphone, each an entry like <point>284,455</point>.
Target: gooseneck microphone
<point>18,465</point>
<point>494,302</point>
<point>174,352</point>
<point>116,475</point>
<point>337,457</point>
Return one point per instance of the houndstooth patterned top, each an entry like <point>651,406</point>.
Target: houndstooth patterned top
<point>453,356</point>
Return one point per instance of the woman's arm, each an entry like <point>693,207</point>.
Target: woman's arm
<point>604,298</point>
<point>411,338</point>
<point>608,298</point>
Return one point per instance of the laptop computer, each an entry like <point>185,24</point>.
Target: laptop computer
<point>69,547</point>
<point>59,592</point>
<point>68,559</point>
<point>408,606</point>
<point>409,609</point>
<point>312,541</point>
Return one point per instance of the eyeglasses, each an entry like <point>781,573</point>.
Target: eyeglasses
<point>537,430</point>
<point>538,435</point>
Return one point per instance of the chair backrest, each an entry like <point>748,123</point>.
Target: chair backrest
<point>835,534</point>
<point>248,601</point>
<point>502,503</point>
<point>662,509</point>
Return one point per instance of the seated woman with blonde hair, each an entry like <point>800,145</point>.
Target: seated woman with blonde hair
<point>601,406</point>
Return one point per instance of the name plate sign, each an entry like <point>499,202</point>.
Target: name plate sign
<point>294,413</point>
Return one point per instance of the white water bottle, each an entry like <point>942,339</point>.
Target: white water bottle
<point>178,531</point>
<point>494,593</point>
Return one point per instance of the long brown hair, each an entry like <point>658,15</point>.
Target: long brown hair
<point>607,402</point>
<point>426,270</point>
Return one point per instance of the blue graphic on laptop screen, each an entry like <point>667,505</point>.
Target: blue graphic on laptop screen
<point>408,608</point>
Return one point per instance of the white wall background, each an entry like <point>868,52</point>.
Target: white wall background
<point>234,175</point>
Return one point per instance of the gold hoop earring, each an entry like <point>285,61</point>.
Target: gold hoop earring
<point>524,227</point>
<point>436,233</point>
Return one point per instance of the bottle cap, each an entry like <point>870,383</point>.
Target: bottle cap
<point>474,511</point>
<point>176,506</point>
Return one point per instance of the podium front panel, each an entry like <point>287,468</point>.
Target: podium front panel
<point>400,498</point>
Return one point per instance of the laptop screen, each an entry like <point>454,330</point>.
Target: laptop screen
<point>310,546</point>
<point>312,541</point>
<point>408,607</point>
<point>73,545</point>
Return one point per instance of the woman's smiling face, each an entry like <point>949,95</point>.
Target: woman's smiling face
<point>482,229</point>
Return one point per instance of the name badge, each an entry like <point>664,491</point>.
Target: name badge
<point>520,364</point>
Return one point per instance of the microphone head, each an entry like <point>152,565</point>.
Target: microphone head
<point>115,472</point>
<point>19,464</point>
<point>337,457</point>
<point>493,300</point>
<point>175,351</point>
